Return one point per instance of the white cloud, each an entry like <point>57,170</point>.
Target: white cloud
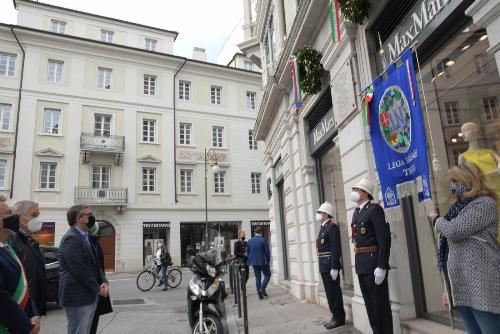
<point>200,23</point>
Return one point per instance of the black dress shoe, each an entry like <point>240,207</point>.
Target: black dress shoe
<point>260,295</point>
<point>164,289</point>
<point>264,293</point>
<point>334,324</point>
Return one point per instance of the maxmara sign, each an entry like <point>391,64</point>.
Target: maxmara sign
<point>322,131</point>
<point>423,13</point>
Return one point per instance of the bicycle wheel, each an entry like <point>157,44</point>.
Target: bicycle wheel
<point>146,280</point>
<point>174,277</point>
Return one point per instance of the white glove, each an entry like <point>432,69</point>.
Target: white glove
<point>379,275</point>
<point>334,273</point>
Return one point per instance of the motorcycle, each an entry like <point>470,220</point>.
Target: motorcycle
<point>206,291</point>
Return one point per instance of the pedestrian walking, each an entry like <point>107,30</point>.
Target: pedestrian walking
<point>81,278</point>
<point>163,261</point>
<point>371,236</point>
<point>469,251</point>
<point>240,252</point>
<point>259,258</point>
<point>329,257</point>
<point>28,251</point>
<point>104,302</point>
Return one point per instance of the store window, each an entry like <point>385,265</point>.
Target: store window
<point>153,232</point>
<point>464,119</point>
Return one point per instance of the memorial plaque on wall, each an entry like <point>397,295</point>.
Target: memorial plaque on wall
<point>343,95</point>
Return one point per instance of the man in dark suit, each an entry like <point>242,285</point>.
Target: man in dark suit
<point>259,257</point>
<point>372,243</point>
<point>81,277</point>
<point>329,258</point>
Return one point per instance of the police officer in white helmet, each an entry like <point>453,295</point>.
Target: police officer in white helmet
<point>329,258</point>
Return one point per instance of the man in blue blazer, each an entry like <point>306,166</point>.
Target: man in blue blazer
<point>81,278</point>
<point>259,258</point>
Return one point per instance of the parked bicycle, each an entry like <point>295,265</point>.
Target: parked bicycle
<point>146,279</point>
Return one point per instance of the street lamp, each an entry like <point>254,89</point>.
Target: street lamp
<point>210,154</point>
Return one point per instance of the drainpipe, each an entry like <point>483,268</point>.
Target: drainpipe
<point>175,132</point>
<point>14,153</point>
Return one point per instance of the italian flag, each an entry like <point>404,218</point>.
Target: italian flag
<point>335,20</point>
<point>21,295</point>
<point>294,63</point>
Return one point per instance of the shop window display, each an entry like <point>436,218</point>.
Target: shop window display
<point>461,84</point>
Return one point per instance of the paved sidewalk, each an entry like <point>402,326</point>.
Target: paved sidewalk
<point>280,313</point>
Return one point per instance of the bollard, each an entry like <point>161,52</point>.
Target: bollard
<point>244,297</point>
<point>238,288</point>
<point>235,285</point>
<point>231,273</point>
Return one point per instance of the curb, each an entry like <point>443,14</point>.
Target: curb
<point>231,317</point>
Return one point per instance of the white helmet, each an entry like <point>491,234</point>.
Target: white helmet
<point>365,185</point>
<point>326,208</point>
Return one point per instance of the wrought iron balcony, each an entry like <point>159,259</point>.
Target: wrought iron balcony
<point>101,196</point>
<point>93,143</point>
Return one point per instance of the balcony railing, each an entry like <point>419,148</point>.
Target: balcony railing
<point>111,144</point>
<point>101,196</point>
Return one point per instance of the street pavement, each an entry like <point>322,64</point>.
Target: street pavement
<point>281,313</point>
<point>152,312</point>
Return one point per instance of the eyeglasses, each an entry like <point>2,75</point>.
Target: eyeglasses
<point>86,214</point>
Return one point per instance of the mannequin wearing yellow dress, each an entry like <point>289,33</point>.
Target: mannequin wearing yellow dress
<point>487,159</point>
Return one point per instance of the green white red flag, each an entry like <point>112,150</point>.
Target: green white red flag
<point>294,63</point>
<point>335,20</point>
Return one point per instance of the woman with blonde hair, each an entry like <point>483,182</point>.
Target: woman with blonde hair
<point>469,251</point>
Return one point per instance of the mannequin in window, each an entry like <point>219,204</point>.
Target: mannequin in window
<point>487,159</point>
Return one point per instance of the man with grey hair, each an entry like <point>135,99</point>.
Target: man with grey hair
<point>28,250</point>
<point>81,278</point>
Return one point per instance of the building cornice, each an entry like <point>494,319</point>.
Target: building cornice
<point>42,5</point>
<point>113,47</point>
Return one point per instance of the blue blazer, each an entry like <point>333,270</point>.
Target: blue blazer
<point>80,273</point>
<point>258,251</point>
<point>11,315</point>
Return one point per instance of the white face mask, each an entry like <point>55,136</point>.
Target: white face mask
<point>35,224</point>
<point>319,217</point>
<point>355,196</point>
<point>160,245</point>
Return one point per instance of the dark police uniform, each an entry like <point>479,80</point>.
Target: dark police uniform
<point>372,242</point>
<point>329,253</point>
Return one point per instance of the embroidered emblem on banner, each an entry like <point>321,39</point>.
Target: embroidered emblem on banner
<point>390,197</point>
<point>395,120</point>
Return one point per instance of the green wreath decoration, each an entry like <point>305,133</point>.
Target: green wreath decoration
<point>354,11</point>
<point>310,69</point>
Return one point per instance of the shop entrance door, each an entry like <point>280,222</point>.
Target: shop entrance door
<point>107,243</point>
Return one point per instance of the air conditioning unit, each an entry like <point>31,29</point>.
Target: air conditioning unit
<point>101,193</point>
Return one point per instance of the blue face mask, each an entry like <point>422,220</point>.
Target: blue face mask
<point>458,189</point>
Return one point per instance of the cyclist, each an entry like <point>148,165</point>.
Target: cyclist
<point>162,264</point>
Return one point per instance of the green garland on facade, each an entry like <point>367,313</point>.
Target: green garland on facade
<point>354,11</point>
<point>310,69</point>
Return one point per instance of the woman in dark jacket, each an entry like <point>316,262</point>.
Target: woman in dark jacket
<point>104,303</point>
<point>240,251</point>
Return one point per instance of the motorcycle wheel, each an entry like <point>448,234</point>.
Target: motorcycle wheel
<point>213,325</point>
<point>146,280</point>
<point>174,277</point>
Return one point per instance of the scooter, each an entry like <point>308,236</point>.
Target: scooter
<point>206,293</point>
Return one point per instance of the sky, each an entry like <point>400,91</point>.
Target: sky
<point>200,23</point>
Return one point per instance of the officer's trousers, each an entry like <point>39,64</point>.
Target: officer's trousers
<point>334,296</point>
<point>377,303</point>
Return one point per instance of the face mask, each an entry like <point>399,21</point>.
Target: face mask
<point>11,223</point>
<point>91,221</point>
<point>458,189</point>
<point>35,224</point>
<point>355,196</point>
<point>243,238</point>
<point>160,245</point>
<point>319,217</point>
<point>93,230</point>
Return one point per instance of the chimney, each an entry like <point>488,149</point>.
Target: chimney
<point>199,54</point>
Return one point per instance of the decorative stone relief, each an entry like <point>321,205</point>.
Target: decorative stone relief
<point>196,156</point>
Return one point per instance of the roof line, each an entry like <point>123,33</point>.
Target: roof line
<point>99,16</point>
<point>127,47</point>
